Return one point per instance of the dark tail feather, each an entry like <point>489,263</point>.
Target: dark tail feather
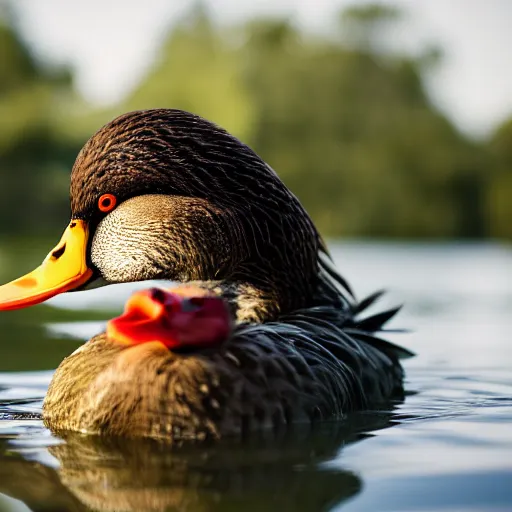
<point>384,346</point>
<point>366,303</point>
<point>374,323</point>
<point>362,329</point>
<point>365,328</point>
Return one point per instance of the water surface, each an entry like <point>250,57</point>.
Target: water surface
<point>447,447</point>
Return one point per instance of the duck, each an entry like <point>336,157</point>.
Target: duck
<point>261,333</point>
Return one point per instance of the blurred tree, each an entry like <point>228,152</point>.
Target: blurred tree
<point>500,190</point>
<point>356,137</point>
<point>34,159</point>
<point>350,129</point>
<point>343,119</point>
<point>366,26</point>
<point>197,70</point>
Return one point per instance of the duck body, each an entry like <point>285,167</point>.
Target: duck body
<point>263,378</point>
<point>164,194</point>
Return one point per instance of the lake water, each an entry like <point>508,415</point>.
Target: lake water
<point>447,447</point>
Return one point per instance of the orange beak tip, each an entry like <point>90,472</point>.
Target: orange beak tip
<point>64,269</point>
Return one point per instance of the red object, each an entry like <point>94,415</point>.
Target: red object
<point>107,202</point>
<point>171,319</point>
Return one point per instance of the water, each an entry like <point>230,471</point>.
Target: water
<point>447,447</point>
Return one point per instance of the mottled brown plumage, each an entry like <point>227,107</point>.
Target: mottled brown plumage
<point>195,204</point>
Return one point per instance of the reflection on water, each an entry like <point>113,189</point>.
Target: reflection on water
<point>447,447</point>
<point>111,474</point>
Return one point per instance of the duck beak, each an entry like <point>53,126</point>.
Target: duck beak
<point>64,269</point>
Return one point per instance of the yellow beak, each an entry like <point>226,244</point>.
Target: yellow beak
<point>64,269</point>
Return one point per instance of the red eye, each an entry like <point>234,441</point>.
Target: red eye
<point>107,202</point>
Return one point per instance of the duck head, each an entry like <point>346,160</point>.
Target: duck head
<point>181,319</point>
<point>165,194</point>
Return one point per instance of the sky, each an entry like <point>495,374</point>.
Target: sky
<point>111,43</point>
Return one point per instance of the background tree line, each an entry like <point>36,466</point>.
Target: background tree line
<point>349,127</point>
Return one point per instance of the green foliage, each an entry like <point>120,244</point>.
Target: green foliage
<point>34,159</point>
<point>499,199</point>
<point>352,132</point>
<point>199,72</point>
<point>365,26</point>
<point>347,125</point>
